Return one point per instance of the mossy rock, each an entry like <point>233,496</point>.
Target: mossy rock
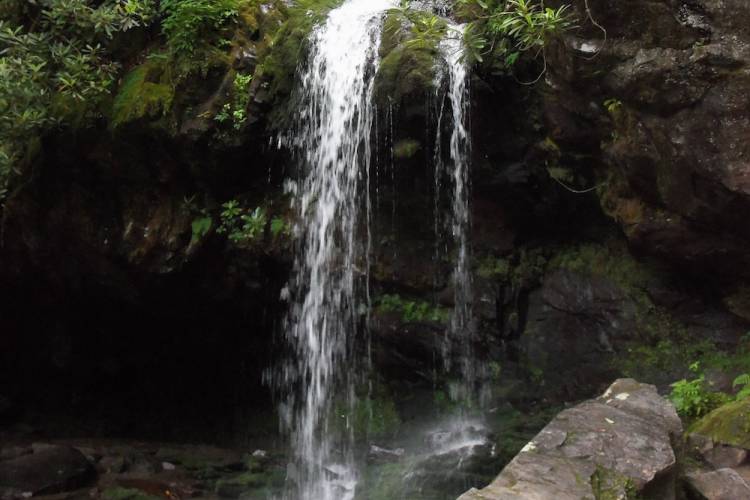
<point>283,46</point>
<point>728,424</point>
<point>406,148</point>
<point>145,93</point>
<point>405,71</point>
<point>408,64</point>
<point>608,484</point>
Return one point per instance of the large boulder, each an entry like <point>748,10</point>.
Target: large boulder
<point>618,444</point>
<point>51,469</point>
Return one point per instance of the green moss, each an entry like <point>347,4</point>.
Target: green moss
<point>376,417</point>
<point>610,485</point>
<point>728,424</point>
<point>612,261</point>
<point>285,46</point>
<point>406,148</point>
<point>144,94</point>
<point>408,51</point>
<point>492,268</point>
<point>118,493</point>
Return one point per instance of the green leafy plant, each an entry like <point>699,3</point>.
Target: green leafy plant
<point>236,111</point>
<point>56,69</point>
<point>507,28</point>
<point>690,397</point>
<point>613,106</point>
<point>200,226</point>
<point>412,311</point>
<point>280,226</point>
<point>240,224</point>
<point>187,22</point>
<point>743,383</point>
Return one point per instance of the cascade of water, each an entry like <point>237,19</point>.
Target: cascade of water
<point>461,337</point>
<point>332,135</point>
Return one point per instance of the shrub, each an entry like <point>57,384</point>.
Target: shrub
<point>188,21</point>
<point>55,68</point>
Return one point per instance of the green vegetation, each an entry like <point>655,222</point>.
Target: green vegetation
<point>56,68</point>
<point>608,484</point>
<point>406,148</point>
<point>146,92</point>
<point>502,30</point>
<point>236,111</point>
<point>284,49</point>
<point>412,311</point>
<point>728,424</point>
<point>242,224</point>
<point>742,385</point>
<point>692,399</point>
<point>189,22</point>
<point>408,50</point>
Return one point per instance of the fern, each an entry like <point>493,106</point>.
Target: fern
<point>743,382</point>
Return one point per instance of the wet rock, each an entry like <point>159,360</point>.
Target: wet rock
<point>577,319</point>
<point>47,471</point>
<point>722,484</point>
<point>384,455</point>
<point>615,444</point>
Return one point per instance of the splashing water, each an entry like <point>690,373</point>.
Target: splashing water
<point>332,136</point>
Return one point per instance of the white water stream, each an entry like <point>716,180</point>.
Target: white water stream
<point>328,290</point>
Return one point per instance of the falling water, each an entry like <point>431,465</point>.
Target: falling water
<point>332,136</point>
<point>460,340</point>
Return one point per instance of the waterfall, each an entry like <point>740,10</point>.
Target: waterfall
<point>460,340</point>
<point>328,291</point>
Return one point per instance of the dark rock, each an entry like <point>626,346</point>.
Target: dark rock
<point>616,444</point>
<point>50,470</point>
<point>112,465</point>
<point>11,452</point>
<point>677,152</point>
<point>722,484</point>
<point>577,320</point>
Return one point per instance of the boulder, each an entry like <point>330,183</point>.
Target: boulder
<point>725,456</point>
<point>50,470</point>
<point>722,484</point>
<point>618,444</point>
<point>727,425</point>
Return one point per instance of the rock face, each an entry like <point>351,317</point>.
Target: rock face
<point>675,76</point>
<point>50,470</point>
<point>576,320</point>
<point>617,444</point>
